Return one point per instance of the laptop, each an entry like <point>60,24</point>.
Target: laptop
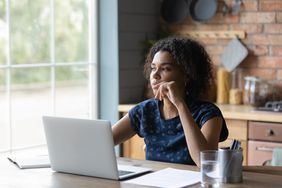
<point>84,147</point>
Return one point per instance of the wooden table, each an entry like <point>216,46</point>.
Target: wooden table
<point>13,177</point>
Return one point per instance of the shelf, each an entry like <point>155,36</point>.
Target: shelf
<point>214,34</point>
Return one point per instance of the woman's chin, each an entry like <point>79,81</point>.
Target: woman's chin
<point>154,91</point>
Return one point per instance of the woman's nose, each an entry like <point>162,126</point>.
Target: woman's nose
<point>156,74</point>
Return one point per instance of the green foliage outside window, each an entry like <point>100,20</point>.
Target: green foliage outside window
<point>30,33</point>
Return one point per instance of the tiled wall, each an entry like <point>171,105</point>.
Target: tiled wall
<point>262,22</point>
<point>138,20</point>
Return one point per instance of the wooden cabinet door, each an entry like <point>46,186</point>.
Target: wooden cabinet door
<point>263,138</point>
<point>134,148</point>
<point>237,129</point>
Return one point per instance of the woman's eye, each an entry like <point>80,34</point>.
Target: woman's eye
<point>166,68</point>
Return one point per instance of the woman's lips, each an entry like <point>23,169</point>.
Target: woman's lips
<point>155,86</point>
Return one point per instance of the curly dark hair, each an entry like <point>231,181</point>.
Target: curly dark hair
<point>191,57</point>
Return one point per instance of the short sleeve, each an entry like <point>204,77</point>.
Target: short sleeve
<point>143,116</point>
<point>207,111</point>
<point>135,116</point>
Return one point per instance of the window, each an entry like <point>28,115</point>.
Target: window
<point>46,66</point>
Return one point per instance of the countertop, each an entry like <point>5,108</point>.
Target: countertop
<point>239,112</point>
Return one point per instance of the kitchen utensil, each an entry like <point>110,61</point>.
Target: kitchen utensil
<point>173,11</point>
<point>234,54</point>
<point>202,10</point>
<point>225,8</point>
<point>235,144</point>
<point>236,7</point>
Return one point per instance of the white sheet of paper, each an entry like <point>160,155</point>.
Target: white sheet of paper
<point>168,178</point>
<point>34,161</point>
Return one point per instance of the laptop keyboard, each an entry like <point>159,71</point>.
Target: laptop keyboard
<point>123,172</point>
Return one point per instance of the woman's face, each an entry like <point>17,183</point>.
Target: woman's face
<point>164,69</point>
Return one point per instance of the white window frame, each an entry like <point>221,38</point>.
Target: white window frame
<point>92,64</point>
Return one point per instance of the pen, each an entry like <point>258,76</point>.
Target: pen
<point>235,144</point>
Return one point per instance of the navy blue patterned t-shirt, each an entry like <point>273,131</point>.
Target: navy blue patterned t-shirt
<point>165,139</point>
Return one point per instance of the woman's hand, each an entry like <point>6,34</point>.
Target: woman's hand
<point>171,91</point>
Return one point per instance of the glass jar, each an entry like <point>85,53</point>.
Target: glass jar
<point>246,92</point>
<point>235,92</point>
<point>236,78</point>
<point>266,92</point>
<point>256,91</point>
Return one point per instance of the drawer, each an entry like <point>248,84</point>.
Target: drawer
<point>265,131</point>
<point>260,152</point>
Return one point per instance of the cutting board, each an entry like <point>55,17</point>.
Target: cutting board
<point>233,54</point>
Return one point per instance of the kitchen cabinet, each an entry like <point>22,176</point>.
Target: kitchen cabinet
<point>263,138</point>
<point>239,119</point>
<point>134,148</point>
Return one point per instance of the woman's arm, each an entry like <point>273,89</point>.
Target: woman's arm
<point>197,139</point>
<point>122,130</point>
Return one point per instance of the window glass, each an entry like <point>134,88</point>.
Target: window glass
<point>30,31</point>
<point>37,81</point>
<point>72,94</point>
<point>2,33</point>
<point>4,126</point>
<point>31,98</point>
<point>71,33</point>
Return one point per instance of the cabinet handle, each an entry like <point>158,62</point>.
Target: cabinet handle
<point>269,132</point>
<point>264,149</point>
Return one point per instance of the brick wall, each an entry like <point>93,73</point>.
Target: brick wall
<point>262,22</point>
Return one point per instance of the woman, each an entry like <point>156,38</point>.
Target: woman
<point>176,124</point>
